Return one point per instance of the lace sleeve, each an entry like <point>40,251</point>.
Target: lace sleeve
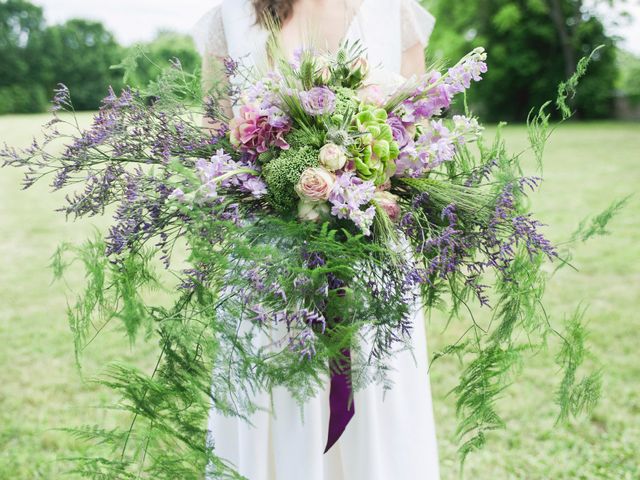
<point>209,34</point>
<point>417,24</point>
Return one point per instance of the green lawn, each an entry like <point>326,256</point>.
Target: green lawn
<point>587,167</point>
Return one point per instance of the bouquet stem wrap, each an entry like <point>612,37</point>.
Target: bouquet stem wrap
<point>341,401</point>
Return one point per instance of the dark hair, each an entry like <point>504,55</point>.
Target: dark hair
<point>273,10</point>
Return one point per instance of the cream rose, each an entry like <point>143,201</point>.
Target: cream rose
<point>315,184</point>
<point>332,157</point>
<point>389,203</point>
<point>312,211</point>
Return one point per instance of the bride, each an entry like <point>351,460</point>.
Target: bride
<point>392,435</point>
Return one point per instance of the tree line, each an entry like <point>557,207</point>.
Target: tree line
<point>35,57</point>
<point>533,45</point>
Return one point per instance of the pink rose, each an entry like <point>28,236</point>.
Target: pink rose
<point>389,203</point>
<point>315,184</point>
<point>332,157</point>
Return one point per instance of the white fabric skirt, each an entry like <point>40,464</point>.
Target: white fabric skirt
<point>391,437</point>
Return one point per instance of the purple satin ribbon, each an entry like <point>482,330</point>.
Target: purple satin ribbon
<point>341,403</point>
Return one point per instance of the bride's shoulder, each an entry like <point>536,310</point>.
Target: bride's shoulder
<point>417,23</point>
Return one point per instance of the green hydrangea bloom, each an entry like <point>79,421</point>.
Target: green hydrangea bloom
<point>283,173</point>
<point>375,149</point>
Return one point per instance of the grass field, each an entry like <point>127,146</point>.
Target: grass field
<point>587,167</point>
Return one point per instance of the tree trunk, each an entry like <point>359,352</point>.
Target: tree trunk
<point>566,42</point>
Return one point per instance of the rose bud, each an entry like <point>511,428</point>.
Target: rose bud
<point>360,66</point>
<point>332,157</point>
<point>325,75</point>
<point>389,203</point>
<point>312,211</point>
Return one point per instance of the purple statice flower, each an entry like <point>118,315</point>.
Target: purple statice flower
<point>230,66</point>
<point>177,195</point>
<point>348,197</point>
<point>259,314</point>
<point>306,344</point>
<point>62,98</point>
<point>318,101</point>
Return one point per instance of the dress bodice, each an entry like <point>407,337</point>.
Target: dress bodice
<point>385,28</point>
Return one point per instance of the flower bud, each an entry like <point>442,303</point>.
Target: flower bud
<point>389,203</point>
<point>312,211</point>
<point>332,157</point>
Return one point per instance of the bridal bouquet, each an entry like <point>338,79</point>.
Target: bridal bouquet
<point>295,240</point>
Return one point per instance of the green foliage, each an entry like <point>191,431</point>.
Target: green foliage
<point>82,52</point>
<point>629,80</point>
<point>574,397</point>
<point>22,66</point>
<point>282,175</point>
<point>533,45</point>
<point>22,99</point>
<point>21,37</point>
<point>345,102</point>
<point>144,62</point>
<point>35,58</point>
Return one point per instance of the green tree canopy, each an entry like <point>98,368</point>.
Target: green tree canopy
<point>533,45</point>
<point>79,53</point>
<point>22,29</point>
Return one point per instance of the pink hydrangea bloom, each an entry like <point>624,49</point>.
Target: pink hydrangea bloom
<point>254,129</point>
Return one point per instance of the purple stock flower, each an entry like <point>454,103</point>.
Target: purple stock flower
<point>348,197</point>
<point>470,69</point>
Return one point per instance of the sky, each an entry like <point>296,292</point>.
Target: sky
<point>135,20</point>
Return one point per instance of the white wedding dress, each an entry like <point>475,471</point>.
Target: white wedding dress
<point>392,436</point>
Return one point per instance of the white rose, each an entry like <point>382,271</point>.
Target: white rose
<point>332,157</point>
<point>315,184</point>
<point>312,211</point>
